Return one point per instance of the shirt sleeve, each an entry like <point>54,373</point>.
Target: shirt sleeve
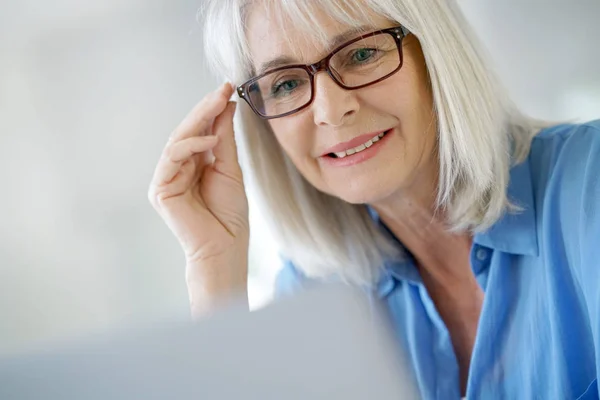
<point>581,211</point>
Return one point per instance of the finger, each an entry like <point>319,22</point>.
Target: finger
<point>184,149</point>
<point>177,153</point>
<point>225,152</point>
<point>203,114</point>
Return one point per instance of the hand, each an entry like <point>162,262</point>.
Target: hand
<point>198,190</point>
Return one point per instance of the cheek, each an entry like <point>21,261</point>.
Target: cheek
<point>411,103</point>
<point>405,96</point>
<point>294,140</point>
<point>411,98</point>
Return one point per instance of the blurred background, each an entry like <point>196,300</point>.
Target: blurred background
<point>89,93</point>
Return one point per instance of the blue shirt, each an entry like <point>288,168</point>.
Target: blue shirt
<point>539,329</point>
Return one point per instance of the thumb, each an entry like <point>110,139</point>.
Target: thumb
<point>225,151</point>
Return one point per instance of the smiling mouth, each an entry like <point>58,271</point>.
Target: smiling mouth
<point>359,148</point>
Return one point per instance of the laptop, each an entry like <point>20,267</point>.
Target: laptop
<point>332,342</point>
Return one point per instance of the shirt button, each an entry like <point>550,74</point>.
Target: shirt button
<point>481,254</point>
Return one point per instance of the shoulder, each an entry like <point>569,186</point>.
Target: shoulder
<point>289,280</point>
<point>566,157</point>
<point>565,168</point>
<point>565,139</point>
<point>571,202</point>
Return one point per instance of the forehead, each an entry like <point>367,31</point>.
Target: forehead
<point>273,33</point>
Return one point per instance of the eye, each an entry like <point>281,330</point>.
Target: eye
<point>286,87</point>
<point>362,55</point>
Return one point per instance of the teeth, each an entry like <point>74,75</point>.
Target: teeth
<point>360,148</point>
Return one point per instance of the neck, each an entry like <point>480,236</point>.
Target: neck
<point>443,261</point>
<point>412,216</point>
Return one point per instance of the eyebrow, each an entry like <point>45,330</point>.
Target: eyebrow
<point>333,43</point>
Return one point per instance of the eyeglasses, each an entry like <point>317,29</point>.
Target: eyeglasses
<point>361,62</point>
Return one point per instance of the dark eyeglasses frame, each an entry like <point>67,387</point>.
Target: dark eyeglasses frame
<point>397,32</point>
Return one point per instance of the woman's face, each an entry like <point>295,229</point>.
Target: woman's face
<point>402,162</point>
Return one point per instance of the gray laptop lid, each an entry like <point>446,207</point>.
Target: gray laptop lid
<point>328,343</point>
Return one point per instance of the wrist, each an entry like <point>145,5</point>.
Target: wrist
<point>217,281</point>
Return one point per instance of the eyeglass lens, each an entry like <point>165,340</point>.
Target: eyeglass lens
<point>356,64</point>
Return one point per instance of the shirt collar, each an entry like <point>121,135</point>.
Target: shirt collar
<point>515,232</point>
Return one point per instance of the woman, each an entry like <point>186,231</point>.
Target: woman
<point>386,154</point>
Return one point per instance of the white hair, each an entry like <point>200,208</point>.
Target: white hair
<point>480,133</point>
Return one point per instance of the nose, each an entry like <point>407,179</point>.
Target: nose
<point>333,105</point>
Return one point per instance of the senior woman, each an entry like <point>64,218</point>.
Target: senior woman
<point>386,154</point>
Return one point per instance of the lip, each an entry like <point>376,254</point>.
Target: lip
<point>350,144</point>
<point>359,157</point>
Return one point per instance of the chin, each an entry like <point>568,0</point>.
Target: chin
<point>366,193</point>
